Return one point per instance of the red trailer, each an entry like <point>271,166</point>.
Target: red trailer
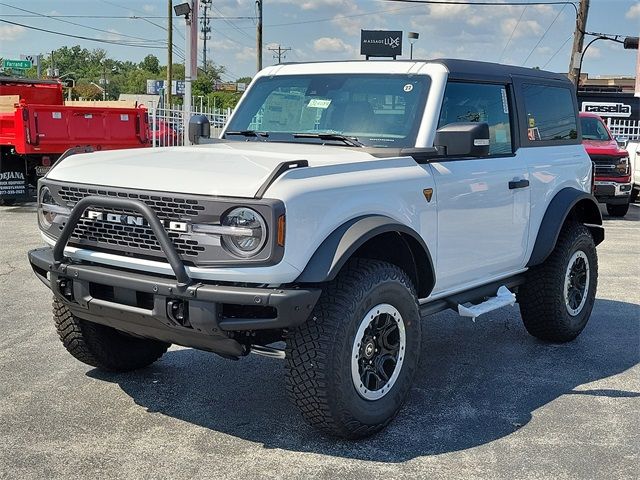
<point>36,127</point>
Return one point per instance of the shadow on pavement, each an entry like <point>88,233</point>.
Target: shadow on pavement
<point>478,382</point>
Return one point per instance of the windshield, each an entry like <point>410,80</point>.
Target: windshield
<point>593,129</point>
<point>377,110</point>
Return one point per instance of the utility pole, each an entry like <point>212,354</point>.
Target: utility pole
<point>205,30</point>
<point>578,41</point>
<point>279,52</point>
<point>259,35</point>
<point>167,89</point>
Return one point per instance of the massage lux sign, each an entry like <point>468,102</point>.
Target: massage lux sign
<point>380,43</point>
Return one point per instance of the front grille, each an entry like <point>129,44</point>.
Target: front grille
<point>606,165</point>
<point>139,240</point>
<point>138,237</point>
<point>117,236</point>
<point>166,208</point>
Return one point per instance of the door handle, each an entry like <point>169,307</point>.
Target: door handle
<point>518,184</point>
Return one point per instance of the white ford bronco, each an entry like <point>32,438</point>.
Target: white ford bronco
<point>342,202</point>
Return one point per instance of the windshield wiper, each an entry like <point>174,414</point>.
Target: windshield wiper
<point>351,141</point>
<point>248,133</point>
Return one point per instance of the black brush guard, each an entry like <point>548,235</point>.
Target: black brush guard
<point>207,327</point>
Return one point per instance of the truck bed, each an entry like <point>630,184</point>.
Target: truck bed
<point>51,129</point>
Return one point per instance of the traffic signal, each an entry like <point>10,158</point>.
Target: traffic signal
<point>631,43</point>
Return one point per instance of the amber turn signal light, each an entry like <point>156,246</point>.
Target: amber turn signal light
<point>281,226</point>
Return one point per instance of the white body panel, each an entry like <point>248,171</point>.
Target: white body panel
<point>476,228</point>
<point>482,225</point>
<point>634,158</point>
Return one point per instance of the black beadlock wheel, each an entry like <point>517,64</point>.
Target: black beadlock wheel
<point>104,347</point>
<point>558,296</point>
<point>351,365</point>
<point>617,210</point>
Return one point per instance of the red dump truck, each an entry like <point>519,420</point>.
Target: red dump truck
<point>37,127</point>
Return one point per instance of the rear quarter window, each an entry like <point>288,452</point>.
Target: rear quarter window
<point>549,114</point>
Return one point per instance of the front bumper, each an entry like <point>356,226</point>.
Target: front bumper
<point>612,192</point>
<point>142,304</point>
<point>176,308</point>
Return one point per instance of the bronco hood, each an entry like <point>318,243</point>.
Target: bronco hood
<point>231,169</point>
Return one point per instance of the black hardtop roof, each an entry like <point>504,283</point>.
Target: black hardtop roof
<point>476,69</point>
<point>469,69</point>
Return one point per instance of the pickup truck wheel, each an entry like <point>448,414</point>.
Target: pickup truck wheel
<point>617,210</point>
<point>104,347</point>
<point>558,296</point>
<point>351,365</point>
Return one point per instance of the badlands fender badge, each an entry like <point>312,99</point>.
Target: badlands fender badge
<point>428,193</point>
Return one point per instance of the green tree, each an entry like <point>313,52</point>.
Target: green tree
<point>87,91</point>
<point>151,64</point>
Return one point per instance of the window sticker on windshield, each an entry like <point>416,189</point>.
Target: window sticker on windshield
<point>505,104</point>
<point>408,87</point>
<point>319,103</point>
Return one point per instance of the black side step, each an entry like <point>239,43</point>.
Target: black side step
<point>474,295</point>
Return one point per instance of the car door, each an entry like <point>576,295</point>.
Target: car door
<point>483,203</point>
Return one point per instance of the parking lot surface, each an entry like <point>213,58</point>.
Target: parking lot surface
<point>489,401</point>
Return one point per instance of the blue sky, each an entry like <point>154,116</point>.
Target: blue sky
<point>330,30</point>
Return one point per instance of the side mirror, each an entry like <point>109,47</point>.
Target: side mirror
<point>463,139</point>
<point>622,142</point>
<point>199,128</point>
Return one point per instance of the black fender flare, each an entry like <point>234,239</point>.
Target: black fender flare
<point>345,240</point>
<point>581,205</point>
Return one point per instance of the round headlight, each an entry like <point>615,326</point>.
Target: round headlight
<point>250,235</point>
<point>46,216</point>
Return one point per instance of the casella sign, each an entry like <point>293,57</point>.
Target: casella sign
<point>380,43</point>
<point>607,109</point>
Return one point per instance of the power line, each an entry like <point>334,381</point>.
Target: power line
<point>99,40</point>
<point>542,37</point>
<point>230,23</point>
<point>35,14</point>
<point>339,17</point>
<point>512,32</point>
<point>484,4</point>
<point>157,17</point>
<point>557,51</point>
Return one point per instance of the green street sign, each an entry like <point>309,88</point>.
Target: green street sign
<point>18,64</point>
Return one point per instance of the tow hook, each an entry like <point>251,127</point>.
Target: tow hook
<point>65,287</point>
<point>178,312</point>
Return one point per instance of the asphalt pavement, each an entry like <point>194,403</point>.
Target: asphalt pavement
<point>489,400</point>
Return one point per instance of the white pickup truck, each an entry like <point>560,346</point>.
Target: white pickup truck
<point>633,147</point>
<point>343,202</point>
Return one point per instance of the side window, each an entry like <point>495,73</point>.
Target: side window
<point>476,102</point>
<point>550,114</point>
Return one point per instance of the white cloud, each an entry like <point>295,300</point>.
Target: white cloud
<point>113,35</point>
<point>332,44</point>
<point>524,28</point>
<point>246,54</point>
<point>318,4</point>
<point>148,8</point>
<point>593,52</point>
<point>633,12</point>
<point>9,33</point>
<point>447,11</point>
